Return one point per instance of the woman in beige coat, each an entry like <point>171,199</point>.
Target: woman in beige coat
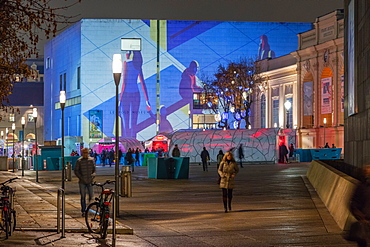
<point>227,170</point>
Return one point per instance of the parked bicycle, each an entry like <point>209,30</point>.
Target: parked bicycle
<point>97,213</point>
<point>8,214</point>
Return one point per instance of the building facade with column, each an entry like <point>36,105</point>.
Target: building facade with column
<point>320,77</point>
<point>312,80</point>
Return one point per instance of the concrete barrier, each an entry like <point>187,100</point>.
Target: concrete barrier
<point>335,190</point>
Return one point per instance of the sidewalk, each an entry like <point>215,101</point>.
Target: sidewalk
<point>273,205</point>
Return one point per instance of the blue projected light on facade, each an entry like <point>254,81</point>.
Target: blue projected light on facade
<point>189,50</point>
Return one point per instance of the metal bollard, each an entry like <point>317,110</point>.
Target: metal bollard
<point>126,182</point>
<point>68,171</point>
<point>61,193</point>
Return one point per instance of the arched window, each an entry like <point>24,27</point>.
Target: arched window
<point>263,111</point>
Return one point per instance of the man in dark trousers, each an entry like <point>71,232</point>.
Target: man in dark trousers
<point>204,155</point>
<point>241,155</point>
<point>85,171</point>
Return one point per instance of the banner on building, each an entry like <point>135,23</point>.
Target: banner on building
<point>326,95</point>
<point>96,124</point>
<point>307,98</point>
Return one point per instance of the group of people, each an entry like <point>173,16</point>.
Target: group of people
<point>133,157</point>
<point>284,151</point>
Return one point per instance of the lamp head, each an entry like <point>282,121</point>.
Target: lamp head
<point>13,126</point>
<point>117,63</point>
<point>34,112</point>
<point>23,121</point>
<point>324,120</point>
<point>62,97</point>
<point>287,105</point>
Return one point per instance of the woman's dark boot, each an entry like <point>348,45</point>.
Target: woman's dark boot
<point>224,199</point>
<point>230,204</point>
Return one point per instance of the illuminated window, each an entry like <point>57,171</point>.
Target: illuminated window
<point>290,112</point>
<point>275,111</point>
<point>30,117</point>
<point>48,63</point>
<point>205,101</point>
<point>263,111</point>
<point>11,117</point>
<point>78,77</point>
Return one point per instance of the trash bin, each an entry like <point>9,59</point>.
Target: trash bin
<point>170,167</point>
<point>126,182</point>
<point>68,172</point>
<point>3,163</point>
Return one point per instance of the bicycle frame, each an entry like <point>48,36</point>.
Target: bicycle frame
<point>8,214</point>
<point>98,213</point>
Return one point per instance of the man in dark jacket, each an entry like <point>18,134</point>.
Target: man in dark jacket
<point>176,151</point>
<point>241,155</point>
<point>204,155</point>
<point>360,208</point>
<point>85,171</point>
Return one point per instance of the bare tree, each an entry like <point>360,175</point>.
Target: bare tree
<point>21,24</point>
<point>234,87</point>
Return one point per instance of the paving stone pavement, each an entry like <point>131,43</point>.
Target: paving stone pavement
<point>273,205</point>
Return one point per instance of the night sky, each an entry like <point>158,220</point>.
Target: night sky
<point>221,10</point>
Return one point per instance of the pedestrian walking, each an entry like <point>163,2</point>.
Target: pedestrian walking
<point>103,156</point>
<point>110,157</point>
<point>130,159</point>
<point>95,156</point>
<point>85,171</point>
<point>283,153</point>
<point>204,155</point>
<point>137,156</point>
<point>241,155</point>
<point>176,151</point>
<point>119,156</point>
<point>227,171</point>
<point>291,150</point>
<point>219,158</point>
<point>360,208</point>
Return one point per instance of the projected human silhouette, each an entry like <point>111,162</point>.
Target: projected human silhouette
<point>130,97</point>
<point>188,83</point>
<point>264,50</point>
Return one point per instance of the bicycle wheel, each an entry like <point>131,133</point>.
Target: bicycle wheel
<point>7,224</point>
<point>104,225</point>
<point>93,217</point>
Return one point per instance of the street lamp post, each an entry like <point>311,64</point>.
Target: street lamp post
<point>287,106</point>
<point>117,71</point>
<point>62,101</point>
<point>23,122</point>
<point>324,132</point>
<point>6,138</point>
<point>13,129</point>
<point>189,113</point>
<point>36,163</point>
